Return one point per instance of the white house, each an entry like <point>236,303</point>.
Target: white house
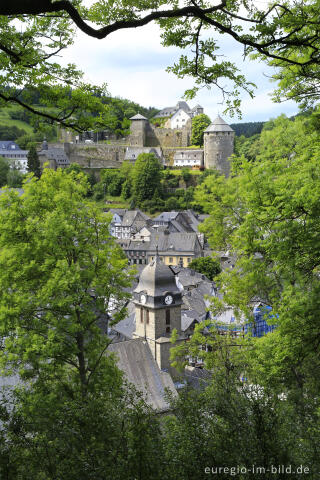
<point>188,158</point>
<point>179,119</point>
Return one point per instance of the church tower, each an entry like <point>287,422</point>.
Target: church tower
<point>158,302</point>
<point>218,146</point>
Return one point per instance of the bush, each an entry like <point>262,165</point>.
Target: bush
<point>186,174</point>
<point>171,204</point>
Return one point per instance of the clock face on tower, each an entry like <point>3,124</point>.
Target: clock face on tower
<point>143,298</point>
<point>168,299</point>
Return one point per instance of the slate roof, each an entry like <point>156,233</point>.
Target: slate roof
<point>135,359</point>
<point>174,242</point>
<point>127,326</point>
<point>218,125</point>
<point>130,217</point>
<point>187,319</point>
<point>118,211</point>
<point>156,279</point>
<point>7,152</point>
<point>133,152</point>
<point>8,144</point>
<point>57,154</point>
<point>166,216</point>
<point>138,117</point>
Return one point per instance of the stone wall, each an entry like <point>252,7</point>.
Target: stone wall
<point>96,157</point>
<point>166,137</point>
<point>218,147</point>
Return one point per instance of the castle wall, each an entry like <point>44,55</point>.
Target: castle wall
<point>167,137</point>
<point>96,157</point>
<point>218,147</point>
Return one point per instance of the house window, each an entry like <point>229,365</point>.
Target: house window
<point>141,315</point>
<point>189,259</point>
<point>167,316</point>
<point>147,312</point>
<point>168,330</point>
<point>171,259</point>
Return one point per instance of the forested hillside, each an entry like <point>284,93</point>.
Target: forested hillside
<point>22,126</point>
<point>247,129</point>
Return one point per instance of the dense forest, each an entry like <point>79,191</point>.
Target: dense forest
<point>247,129</point>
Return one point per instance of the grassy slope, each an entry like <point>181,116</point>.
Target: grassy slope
<point>6,120</point>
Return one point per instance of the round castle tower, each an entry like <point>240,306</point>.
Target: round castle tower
<point>218,146</point>
<point>138,130</point>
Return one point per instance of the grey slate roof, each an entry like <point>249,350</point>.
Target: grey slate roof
<point>127,326</point>
<point>133,152</point>
<point>166,216</point>
<point>140,368</point>
<point>187,319</point>
<point>156,279</point>
<point>130,216</point>
<point>138,117</point>
<point>57,154</point>
<point>9,145</point>
<point>218,125</point>
<point>174,242</point>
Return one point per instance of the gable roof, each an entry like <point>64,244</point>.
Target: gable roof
<point>57,154</point>
<point>135,359</point>
<point>133,216</point>
<point>174,242</point>
<point>166,216</point>
<point>133,152</point>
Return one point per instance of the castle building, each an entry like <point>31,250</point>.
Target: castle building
<point>218,146</point>
<point>138,130</point>
<point>158,303</point>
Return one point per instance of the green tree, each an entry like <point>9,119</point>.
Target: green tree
<point>33,161</point>
<point>62,277</point>
<point>70,271</point>
<point>146,177</point>
<point>206,265</point>
<point>268,215</point>
<point>186,174</point>
<point>199,124</point>
<point>14,178</point>
<point>4,170</point>
<point>293,51</point>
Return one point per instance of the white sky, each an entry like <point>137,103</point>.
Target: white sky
<point>133,63</point>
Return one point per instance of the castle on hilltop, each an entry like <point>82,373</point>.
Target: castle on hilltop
<point>168,136</point>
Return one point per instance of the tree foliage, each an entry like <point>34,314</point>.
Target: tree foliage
<point>284,34</point>
<point>33,161</point>
<point>206,265</point>
<point>146,177</point>
<point>268,215</point>
<point>199,124</point>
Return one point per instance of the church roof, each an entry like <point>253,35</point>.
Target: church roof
<point>218,125</point>
<point>157,279</point>
<point>138,117</point>
<point>140,368</point>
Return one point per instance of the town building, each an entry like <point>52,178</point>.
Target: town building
<point>192,158</point>
<point>176,248</point>
<point>179,115</point>
<point>56,157</point>
<point>126,223</point>
<point>18,158</point>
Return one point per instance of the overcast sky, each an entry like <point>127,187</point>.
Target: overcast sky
<point>133,64</point>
